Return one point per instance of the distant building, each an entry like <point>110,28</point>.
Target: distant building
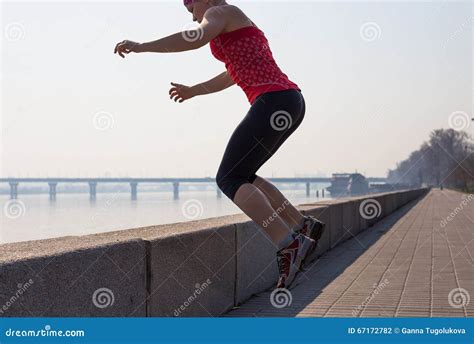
<point>339,184</point>
<point>348,184</point>
<point>358,185</point>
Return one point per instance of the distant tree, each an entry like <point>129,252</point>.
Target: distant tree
<point>447,158</point>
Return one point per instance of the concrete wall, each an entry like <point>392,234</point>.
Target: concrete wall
<point>197,268</point>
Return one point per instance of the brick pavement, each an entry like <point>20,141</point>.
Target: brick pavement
<point>410,264</point>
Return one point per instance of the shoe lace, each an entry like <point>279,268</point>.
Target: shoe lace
<point>306,224</point>
<point>283,262</point>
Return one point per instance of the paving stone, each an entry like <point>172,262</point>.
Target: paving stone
<point>405,265</point>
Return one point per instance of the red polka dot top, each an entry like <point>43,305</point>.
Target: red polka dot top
<point>249,62</point>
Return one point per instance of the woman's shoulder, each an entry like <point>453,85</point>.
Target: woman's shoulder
<point>226,10</point>
<point>233,16</point>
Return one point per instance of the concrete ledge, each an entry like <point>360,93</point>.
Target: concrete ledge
<point>129,264</point>
<point>192,275</point>
<point>197,268</point>
<point>256,266</point>
<point>78,282</point>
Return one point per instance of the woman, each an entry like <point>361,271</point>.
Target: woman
<point>277,109</point>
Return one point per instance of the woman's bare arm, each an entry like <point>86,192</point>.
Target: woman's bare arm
<point>211,26</point>
<point>216,84</point>
<point>182,92</point>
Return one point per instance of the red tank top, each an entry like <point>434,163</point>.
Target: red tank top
<point>249,62</point>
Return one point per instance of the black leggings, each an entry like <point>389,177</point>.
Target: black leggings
<point>272,118</point>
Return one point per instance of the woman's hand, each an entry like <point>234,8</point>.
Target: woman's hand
<point>181,92</point>
<point>126,47</point>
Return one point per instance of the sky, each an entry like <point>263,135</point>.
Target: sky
<point>377,77</point>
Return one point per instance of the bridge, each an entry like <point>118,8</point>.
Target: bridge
<point>92,182</point>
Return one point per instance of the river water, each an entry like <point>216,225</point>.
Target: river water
<point>34,216</point>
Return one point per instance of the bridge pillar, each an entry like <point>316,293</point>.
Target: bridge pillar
<point>308,189</point>
<point>219,193</point>
<point>317,193</point>
<point>52,190</point>
<point>92,190</point>
<point>133,185</point>
<point>13,190</point>
<point>323,192</point>
<point>175,190</point>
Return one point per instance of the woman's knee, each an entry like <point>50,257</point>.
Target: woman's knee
<point>254,179</point>
<point>229,184</point>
